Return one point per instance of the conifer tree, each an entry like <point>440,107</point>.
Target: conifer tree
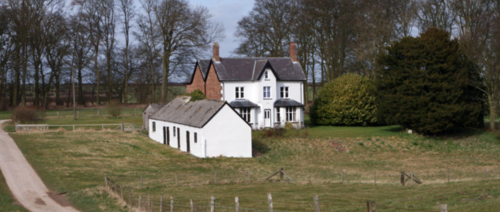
<point>427,84</point>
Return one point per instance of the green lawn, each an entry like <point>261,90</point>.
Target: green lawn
<point>77,162</point>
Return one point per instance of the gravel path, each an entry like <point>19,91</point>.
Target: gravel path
<point>23,181</point>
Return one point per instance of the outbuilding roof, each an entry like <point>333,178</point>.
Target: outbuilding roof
<point>251,69</point>
<point>154,107</point>
<point>182,111</point>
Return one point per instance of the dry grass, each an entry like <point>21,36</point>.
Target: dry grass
<point>77,161</point>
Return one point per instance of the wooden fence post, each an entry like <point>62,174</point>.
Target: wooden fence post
<point>212,204</point>
<point>106,180</point>
<point>237,204</point>
<point>149,203</point>
<point>316,203</point>
<point>98,113</point>
<point>375,177</point>
<point>102,125</point>
<point>123,127</point>
<point>139,202</point>
<point>443,208</point>
<point>171,204</point>
<point>192,205</point>
<point>411,176</point>
<point>161,203</point>
<point>371,206</point>
<point>448,175</point>
<point>270,200</point>
<point>73,127</point>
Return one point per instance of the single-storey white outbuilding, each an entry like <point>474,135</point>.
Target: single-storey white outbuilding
<point>204,128</point>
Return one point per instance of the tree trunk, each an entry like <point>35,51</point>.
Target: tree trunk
<point>164,83</point>
<point>96,66</point>
<point>493,112</point>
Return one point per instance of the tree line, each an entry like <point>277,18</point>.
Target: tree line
<point>47,44</point>
<point>335,37</point>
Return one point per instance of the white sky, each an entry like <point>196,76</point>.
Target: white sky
<point>227,12</point>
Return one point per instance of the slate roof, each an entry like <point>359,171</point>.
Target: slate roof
<point>243,103</point>
<point>154,107</point>
<point>287,103</point>
<point>251,69</point>
<point>181,111</point>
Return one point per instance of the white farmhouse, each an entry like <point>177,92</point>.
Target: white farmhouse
<point>204,128</point>
<point>267,92</point>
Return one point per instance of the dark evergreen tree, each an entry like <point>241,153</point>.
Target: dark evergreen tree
<point>427,84</point>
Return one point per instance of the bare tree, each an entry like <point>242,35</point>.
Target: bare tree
<point>185,31</point>
<point>268,29</point>
<point>127,9</point>
<point>107,13</point>
<point>435,13</point>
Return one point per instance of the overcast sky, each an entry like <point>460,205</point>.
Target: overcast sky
<point>227,12</point>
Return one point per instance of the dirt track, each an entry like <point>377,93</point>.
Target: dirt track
<point>24,182</point>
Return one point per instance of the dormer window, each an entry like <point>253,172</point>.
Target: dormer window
<point>240,92</point>
<point>266,75</point>
<point>284,92</point>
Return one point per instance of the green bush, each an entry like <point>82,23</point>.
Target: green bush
<point>348,100</point>
<point>25,115</point>
<point>196,95</point>
<point>114,109</point>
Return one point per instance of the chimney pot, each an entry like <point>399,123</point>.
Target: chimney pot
<point>293,52</point>
<point>215,51</point>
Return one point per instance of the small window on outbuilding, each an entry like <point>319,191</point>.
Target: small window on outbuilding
<point>154,126</point>
<point>174,131</point>
<point>196,137</point>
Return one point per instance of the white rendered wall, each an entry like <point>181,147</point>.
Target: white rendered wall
<point>228,135</point>
<point>195,148</point>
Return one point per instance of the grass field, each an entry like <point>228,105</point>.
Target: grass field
<point>7,203</point>
<point>76,162</point>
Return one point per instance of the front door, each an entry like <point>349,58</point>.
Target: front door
<point>187,141</point>
<point>178,138</point>
<point>267,118</point>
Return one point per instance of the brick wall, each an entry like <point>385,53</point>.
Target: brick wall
<point>213,87</point>
<point>197,83</point>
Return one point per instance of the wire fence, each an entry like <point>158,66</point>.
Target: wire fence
<point>91,113</point>
<point>301,176</point>
<point>125,127</point>
<point>141,202</point>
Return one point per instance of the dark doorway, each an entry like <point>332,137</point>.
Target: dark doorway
<point>164,135</point>
<point>168,136</point>
<point>187,141</point>
<point>178,138</point>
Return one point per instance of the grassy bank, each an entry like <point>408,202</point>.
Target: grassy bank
<point>329,161</point>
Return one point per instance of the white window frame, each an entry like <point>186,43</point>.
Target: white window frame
<point>291,114</point>
<point>284,92</point>
<point>245,114</point>
<point>267,92</point>
<point>239,92</point>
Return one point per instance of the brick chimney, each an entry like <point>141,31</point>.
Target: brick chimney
<point>216,56</point>
<point>293,52</point>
